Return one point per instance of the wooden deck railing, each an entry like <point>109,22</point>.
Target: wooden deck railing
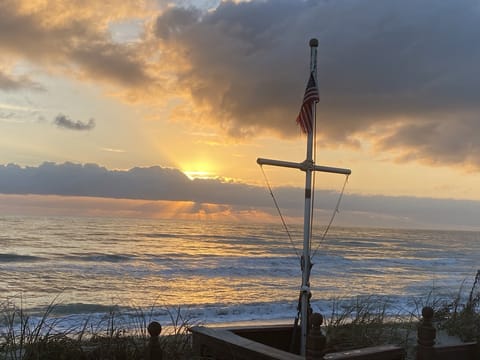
<point>427,350</point>
<point>154,351</point>
<point>272,343</point>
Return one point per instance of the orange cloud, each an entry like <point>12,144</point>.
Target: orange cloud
<point>72,38</point>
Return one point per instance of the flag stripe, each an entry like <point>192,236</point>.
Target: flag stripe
<point>305,117</point>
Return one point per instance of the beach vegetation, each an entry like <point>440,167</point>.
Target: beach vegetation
<point>115,336</point>
<point>373,320</point>
<point>361,322</point>
<point>461,316</point>
<point>367,321</point>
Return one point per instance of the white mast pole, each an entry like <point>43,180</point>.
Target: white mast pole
<point>309,167</point>
<point>306,261</point>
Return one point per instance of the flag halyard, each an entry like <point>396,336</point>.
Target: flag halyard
<point>306,115</point>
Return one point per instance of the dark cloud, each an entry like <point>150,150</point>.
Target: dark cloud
<point>10,83</point>
<point>65,122</point>
<point>437,142</point>
<point>153,183</point>
<point>157,183</point>
<point>380,63</point>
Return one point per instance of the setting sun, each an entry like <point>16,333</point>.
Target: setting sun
<point>199,170</point>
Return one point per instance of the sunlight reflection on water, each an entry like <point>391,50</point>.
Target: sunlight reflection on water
<point>146,262</point>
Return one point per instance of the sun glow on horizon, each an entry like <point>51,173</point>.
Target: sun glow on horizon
<point>199,175</point>
<point>199,170</point>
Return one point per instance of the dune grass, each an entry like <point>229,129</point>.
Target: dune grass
<point>371,321</point>
<point>26,337</point>
<point>461,317</point>
<point>365,321</point>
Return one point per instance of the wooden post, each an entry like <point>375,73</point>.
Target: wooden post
<point>315,340</point>
<point>154,350</point>
<point>426,334</point>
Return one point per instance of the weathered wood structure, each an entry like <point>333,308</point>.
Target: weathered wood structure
<point>427,350</point>
<point>243,343</point>
<point>154,351</point>
<point>273,343</point>
<point>224,344</point>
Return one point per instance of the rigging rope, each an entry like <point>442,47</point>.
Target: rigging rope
<point>335,211</point>
<point>279,211</point>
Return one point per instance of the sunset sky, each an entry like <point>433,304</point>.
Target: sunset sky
<point>157,108</point>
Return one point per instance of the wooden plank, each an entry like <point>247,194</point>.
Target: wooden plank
<point>384,352</point>
<point>277,336</point>
<point>224,343</point>
<point>257,328</point>
<point>464,351</point>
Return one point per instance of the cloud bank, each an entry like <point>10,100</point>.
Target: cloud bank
<point>152,183</point>
<point>171,193</point>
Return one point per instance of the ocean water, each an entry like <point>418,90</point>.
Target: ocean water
<point>217,272</point>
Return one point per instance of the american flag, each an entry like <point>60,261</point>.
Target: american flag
<point>305,117</point>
